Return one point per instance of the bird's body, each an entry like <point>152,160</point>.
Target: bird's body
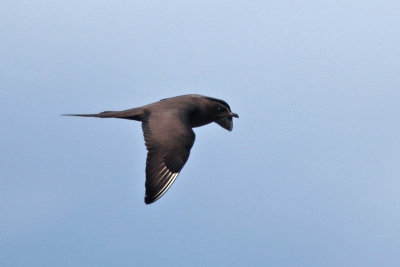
<point>167,129</point>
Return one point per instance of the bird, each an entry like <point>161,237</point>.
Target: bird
<point>168,133</point>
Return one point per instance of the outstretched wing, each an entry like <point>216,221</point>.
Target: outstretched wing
<point>169,138</point>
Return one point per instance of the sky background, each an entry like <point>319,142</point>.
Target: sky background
<point>309,176</point>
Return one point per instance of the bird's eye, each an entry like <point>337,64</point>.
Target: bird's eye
<point>219,108</point>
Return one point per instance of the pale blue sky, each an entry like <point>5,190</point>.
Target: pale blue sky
<point>309,176</point>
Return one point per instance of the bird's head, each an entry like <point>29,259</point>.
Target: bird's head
<point>221,113</point>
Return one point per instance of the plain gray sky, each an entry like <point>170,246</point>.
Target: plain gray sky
<point>308,177</point>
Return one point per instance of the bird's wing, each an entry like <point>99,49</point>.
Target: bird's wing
<point>169,138</point>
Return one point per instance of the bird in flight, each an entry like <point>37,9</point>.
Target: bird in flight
<point>167,129</point>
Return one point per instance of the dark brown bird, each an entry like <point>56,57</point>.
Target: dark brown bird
<point>167,129</point>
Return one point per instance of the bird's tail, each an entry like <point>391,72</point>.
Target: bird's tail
<point>129,114</point>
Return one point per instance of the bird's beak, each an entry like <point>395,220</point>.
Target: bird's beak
<point>234,115</point>
<point>226,121</point>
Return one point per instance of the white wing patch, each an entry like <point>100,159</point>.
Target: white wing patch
<point>165,175</point>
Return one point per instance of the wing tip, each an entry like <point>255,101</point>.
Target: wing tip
<point>151,198</point>
<point>148,200</point>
